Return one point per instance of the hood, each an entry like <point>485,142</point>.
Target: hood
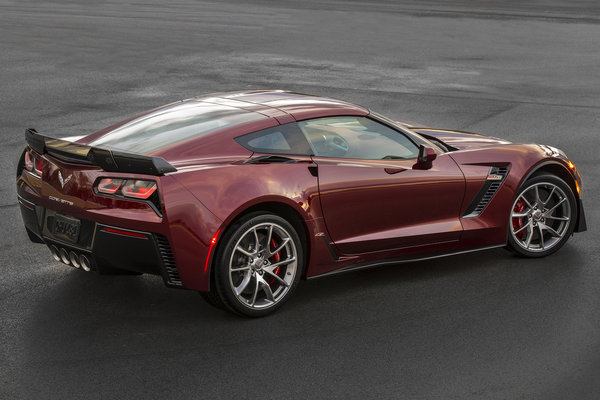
<point>460,140</point>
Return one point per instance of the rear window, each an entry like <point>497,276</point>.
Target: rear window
<point>172,125</point>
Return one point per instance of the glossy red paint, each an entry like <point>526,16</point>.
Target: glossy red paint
<point>353,212</point>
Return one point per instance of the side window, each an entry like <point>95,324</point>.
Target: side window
<point>281,139</point>
<point>356,137</point>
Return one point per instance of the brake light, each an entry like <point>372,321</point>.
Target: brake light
<point>138,189</point>
<point>109,185</point>
<point>28,161</point>
<point>38,166</point>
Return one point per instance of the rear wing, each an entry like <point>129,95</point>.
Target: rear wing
<point>108,160</point>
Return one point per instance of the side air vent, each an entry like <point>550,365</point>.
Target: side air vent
<point>491,185</point>
<point>171,274</point>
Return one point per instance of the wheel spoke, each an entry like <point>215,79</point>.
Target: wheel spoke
<point>541,236</point>
<point>549,212</point>
<point>255,292</point>
<point>282,262</point>
<point>244,268</point>
<point>267,289</point>
<point>526,201</point>
<point>277,277</point>
<point>552,231</point>
<point>538,200</point>
<point>269,235</point>
<point>256,241</point>
<point>280,247</point>
<point>523,227</point>
<point>557,218</point>
<point>245,252</point>
<point>521,214</point>
<point>239,289</point>
<point>529,238</point>
<point>550,195</point>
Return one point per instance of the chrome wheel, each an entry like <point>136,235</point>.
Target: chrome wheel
<point>263,265</point>
<point>540,217</point>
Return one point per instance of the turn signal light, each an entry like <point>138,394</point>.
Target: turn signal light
<point>135,188</point>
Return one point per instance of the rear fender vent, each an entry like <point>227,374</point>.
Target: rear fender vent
<point>170,273</point>
<point>491,185</point>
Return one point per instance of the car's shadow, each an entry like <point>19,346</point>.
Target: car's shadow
<point>87,319</point>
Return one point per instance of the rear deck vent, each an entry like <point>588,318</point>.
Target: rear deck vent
<point>166,254</point>
<point>491,185</point>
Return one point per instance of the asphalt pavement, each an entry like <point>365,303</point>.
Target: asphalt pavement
<point>484,325</point>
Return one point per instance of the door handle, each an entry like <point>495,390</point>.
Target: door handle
<point>392,171</point>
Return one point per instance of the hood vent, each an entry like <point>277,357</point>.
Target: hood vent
<point>491,185</point>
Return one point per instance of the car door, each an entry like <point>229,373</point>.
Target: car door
<point>372,197</point>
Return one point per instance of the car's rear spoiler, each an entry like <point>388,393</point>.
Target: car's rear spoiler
<point>108,160</point>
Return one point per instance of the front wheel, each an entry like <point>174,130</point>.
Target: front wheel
<point>542,217</point>
<point>258,265</point>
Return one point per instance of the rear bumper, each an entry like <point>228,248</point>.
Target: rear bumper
<point>106,247</point>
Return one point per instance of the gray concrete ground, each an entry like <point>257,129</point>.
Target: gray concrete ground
<point>484,325</point>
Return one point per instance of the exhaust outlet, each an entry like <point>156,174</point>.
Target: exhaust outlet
<point>85,263</point>
<point>55,253</point>
<point>64,256</point>
<point>74,259</point>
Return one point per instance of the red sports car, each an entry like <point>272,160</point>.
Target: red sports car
<point>240,195</point>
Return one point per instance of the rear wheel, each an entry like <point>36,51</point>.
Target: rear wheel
<point>258,265</point>
<point>542,216</point>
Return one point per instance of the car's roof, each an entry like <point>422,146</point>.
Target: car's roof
<point>280,102</point>
<point>208,123</point>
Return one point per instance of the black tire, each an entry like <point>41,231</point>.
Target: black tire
<point>550,222</point>
<point>255,270</point>
<point>213,299</point>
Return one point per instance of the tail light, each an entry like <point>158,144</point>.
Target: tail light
<point>136,188</point>
<point>38,167</point>
<point>139,189</point>
<point>28,161</point>
<point>109,185</point>
<point>33,164</point>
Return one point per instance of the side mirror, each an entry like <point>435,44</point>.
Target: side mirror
<point>425,158</point>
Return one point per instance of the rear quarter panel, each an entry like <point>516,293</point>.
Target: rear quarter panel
<point>227,190</point>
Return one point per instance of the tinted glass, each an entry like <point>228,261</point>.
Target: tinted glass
<point>356,137</point>
<point>281,139</point>
<point>172,125</point>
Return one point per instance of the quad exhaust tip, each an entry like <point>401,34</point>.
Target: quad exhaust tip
<point>71,258</point>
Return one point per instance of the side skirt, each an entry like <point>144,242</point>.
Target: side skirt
<point>380,263</point>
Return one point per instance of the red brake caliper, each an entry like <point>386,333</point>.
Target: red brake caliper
<point>274,259</point>
<point>518,222</point>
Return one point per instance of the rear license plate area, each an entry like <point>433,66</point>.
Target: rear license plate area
<point>65,228</point>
